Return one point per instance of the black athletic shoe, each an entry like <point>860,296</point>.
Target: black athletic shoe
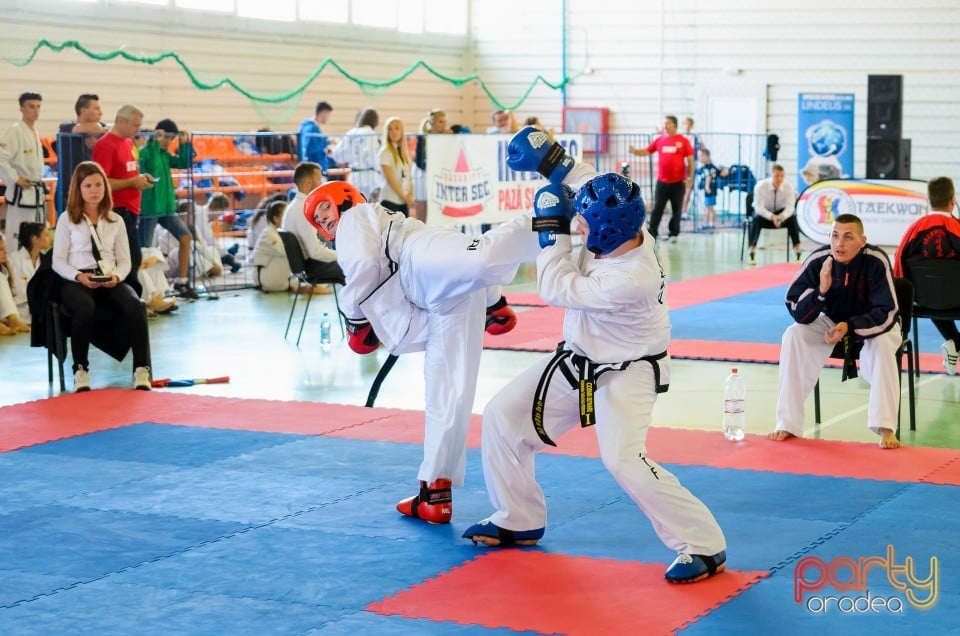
<point>184,290</point>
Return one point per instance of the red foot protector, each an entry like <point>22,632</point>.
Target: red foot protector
<point>530,590</point>
<point>433,504</point>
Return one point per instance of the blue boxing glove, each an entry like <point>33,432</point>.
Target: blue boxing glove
<point>553,210</point>
<point>531,150</point>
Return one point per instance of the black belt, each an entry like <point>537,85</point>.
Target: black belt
<point>585,382</point>
<point>88,271</point>
<point>849,359</point>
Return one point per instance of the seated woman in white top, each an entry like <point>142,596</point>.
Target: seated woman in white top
<point>92,255</point>
<point>269,257</point>
<point>34,240</point>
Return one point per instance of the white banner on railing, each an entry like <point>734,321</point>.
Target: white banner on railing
<point>468,180</point>
<point>886,208</point>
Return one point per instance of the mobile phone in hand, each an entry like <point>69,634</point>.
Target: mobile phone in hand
<point>99,278</point>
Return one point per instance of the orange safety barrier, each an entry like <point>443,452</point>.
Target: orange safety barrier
<point>49,154</point>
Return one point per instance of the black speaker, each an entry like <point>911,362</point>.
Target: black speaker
<point>888,158</point>
<point>885,106</point>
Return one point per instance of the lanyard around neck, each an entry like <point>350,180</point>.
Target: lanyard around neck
<point>95,236</point>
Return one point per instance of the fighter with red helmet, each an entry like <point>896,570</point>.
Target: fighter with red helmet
<point>607,372</point>
<point>415,288</point>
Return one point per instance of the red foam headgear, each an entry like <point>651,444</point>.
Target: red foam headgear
<point>339,194</point>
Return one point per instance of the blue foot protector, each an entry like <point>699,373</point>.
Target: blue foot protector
<point>688,568</point>
<point>488,533</point>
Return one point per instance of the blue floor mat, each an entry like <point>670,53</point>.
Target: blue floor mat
<point>217,531</point>
<point>759,316</point>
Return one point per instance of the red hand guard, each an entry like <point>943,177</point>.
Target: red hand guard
<point>361,337</point>
<point>500,318</point>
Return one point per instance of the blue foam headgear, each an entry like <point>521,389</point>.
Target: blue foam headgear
<point>614,210</point>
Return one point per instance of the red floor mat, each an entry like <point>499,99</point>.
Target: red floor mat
<point>75,414</point>
<point>701,290</point>
<point>540,329</point>
<point>529,590</point>
<point>524,299</point>
<point>709,288</point>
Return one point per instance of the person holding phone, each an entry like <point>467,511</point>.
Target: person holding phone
<point>158,205</point>
<point>115,152</point>
<point>91,253</point>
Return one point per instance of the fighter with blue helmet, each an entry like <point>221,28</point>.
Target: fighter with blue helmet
<point>606,372</point>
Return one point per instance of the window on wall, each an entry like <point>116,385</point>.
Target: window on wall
<point>337,11</point>
<point>413,16</point>
<point>445,16</point>
<point>405,16</point>
<point>283,10</point>
<point>410,16</point>
<point>375,13</point>
<point>220,6</point>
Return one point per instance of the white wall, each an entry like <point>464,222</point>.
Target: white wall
<point>656,57</point>
<point>648,58</point>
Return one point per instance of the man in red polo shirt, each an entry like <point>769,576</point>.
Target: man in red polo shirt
<point>674,175</point>
<point>114,152</point>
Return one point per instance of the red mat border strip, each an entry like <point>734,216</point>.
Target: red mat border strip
<point>693,291</point>
<point>70,415</point>
<point>713,350</point>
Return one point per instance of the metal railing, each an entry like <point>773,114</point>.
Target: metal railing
<point>249,167</point>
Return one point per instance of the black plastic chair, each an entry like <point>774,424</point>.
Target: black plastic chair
<point>904,290</point>
<point>748,219</point>
<point>298,267</point>
<point>936,285</point>
<point>109,337</point>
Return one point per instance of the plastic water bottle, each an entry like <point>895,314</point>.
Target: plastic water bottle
<point>325,330</point>
<point>734,392</point>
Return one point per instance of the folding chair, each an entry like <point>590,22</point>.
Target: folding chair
<point>298,267</point>
<point>904,290</point>
<point>936,293</point>
<point>58,330</point>
<point>748,219</point>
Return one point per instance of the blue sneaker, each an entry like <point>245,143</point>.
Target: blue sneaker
<point>490,534</point>
<point>688,568</point>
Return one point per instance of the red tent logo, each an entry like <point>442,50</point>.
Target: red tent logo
<point>461,192</point>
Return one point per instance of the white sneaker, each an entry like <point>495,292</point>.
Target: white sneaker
<point>141,378</point>
<point>949,351</point>
<point>81,380</point>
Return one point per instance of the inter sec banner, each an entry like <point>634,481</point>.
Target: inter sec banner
<point>887,208</point>
<point>825,130</point>
<point>468,180</point>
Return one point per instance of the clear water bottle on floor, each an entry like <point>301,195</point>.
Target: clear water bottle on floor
<point>734,392</point>
<point>325,330</point>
